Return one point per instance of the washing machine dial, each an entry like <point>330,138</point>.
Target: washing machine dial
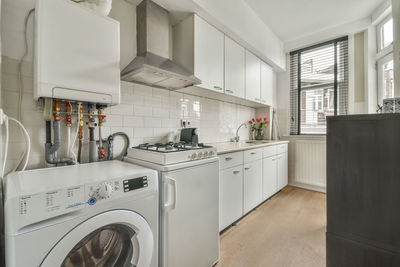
<point>104,191</point>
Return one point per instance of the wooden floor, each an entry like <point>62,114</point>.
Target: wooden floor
<point>287,230</point>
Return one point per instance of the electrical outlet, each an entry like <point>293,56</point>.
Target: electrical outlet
<point>183,123</point>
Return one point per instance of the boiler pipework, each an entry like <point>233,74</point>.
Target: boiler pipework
<point>80,132</point>
<point>92,142</point>
<point>102,119</point>
<point>52,148</point>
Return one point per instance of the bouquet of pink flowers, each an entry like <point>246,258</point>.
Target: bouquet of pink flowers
<point>259,123</point>
<point>257,127</point>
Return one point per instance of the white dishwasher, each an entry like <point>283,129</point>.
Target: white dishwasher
<point>189,188</point>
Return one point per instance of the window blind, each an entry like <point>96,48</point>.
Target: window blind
<point>318,85</point>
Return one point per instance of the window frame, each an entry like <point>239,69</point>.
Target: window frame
<point>383,55</point>
<point>335,82</point>
<point>379,28</point>
<point>380,63</point>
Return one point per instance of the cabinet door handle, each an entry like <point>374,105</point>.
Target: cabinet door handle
<point>257,99</point>
<point>229,91</point>
<point>253,153</point>
<point>229,158</point>
<point>218,88</point>
<point>236,172</point>
<point>247,168</point>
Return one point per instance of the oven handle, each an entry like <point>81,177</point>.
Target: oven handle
<point>170,204</point>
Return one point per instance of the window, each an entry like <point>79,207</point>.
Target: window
<point>318,85</point>
<point>385,33</point>
<point>385,77</point>
<point>385,59</point>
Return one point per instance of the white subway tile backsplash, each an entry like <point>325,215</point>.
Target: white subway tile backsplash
<point>122,109</point>
<point>169,123</point>
<point>152,122</point>
<point>131,121</point>
<point>162,132</point>
<point>142,110</point>
<point>143,90</point>
<point>160,112</point>
<point>143,132</point>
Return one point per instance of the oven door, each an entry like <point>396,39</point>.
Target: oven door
<point>115,238</point>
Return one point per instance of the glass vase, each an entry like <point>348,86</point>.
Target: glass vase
<point>259,134</point>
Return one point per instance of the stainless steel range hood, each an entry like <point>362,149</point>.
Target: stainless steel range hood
<point>152,65</point>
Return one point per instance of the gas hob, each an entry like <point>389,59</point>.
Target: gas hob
<point>171,153</point>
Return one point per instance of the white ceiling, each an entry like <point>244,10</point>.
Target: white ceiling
<point>292,19</point>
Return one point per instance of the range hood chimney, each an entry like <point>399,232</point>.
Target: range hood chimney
<point>152,65</point>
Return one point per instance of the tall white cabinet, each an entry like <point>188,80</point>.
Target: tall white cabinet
<point>199,47</point>
<point>253,77</point>
<point>234,68</point>
<point>268,84</point>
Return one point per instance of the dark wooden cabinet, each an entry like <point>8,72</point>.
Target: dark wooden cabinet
<point>363,190</point>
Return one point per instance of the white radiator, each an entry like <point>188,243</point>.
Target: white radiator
<point>307,163</point>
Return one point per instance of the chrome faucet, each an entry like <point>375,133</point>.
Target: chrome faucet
<point>237,137</point>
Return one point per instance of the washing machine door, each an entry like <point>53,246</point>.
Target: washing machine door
<point>117,238</point>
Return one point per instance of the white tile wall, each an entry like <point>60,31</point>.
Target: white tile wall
<point>146,114</point>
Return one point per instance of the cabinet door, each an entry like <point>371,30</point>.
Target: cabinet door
<point>270,177</point>
<point>252,183</point>
<point>253,77</point>
<point>208,55</point>
<point>230,196</point>
<point>282,170</point>
<point>267,84</point>
<point>234,68</point>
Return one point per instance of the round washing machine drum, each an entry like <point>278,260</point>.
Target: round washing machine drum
<point>118,238</point>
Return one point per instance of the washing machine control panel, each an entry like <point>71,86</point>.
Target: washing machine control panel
<point>135,183</point>
<point>115,188</point>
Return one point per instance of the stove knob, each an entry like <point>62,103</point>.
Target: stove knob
<point>194,156</point>
<point>211,153</point>
<point>104,191</point>
<point>206,154</point>
<point>200,155</point>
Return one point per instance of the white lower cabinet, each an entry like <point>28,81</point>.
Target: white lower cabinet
<point>249,177</point>
<point>230,196</point>
<point>252,185</point>
<point>282,162</point>
<point>270,177</point>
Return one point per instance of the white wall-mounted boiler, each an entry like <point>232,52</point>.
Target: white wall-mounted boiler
<point>77,53</point>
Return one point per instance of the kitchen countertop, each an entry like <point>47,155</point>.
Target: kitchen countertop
<point>230,147</point>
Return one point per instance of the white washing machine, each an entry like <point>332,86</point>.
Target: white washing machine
<point>98,214</point>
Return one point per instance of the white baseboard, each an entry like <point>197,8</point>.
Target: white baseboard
<point>309,187</point>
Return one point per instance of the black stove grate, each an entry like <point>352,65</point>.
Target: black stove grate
<point>171,146</point>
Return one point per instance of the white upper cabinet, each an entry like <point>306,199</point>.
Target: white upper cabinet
<point>221,64</point>
<point>199,47</point>
<point>267,84</point>
<point>253,77</point>
<point>208,55</point>
<point>234,68</point>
